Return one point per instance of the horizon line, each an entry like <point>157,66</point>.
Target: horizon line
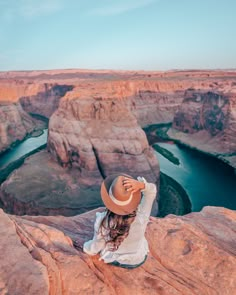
<point>120,70</point>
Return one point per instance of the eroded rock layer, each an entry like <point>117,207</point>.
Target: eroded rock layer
<point>42,187</point>
<point>19,97</point>
<point>192,254</point>
<point>207,120</point>
<point>15,124</point>
<point>152,97</point>
<point>46,101</point>
<point>98,133</point>
<point>95,127</point>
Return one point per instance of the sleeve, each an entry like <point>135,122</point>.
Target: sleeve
<point>95,245</point>
<point>145,206</point>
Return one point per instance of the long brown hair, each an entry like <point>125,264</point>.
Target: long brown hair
<point>116,227</point>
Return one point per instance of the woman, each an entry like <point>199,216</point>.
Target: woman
<point>119,230</point>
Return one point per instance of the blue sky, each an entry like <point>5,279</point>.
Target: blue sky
<point>121,34</point>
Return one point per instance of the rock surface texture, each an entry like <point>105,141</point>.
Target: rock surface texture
<point>15,124</point>
<point>206,120</point>
<point>42,187</point>
<point>192,254</point>
<point>97,133</point>
<point>18,97</point>
<point>94,131</point>
<point>46,101</point>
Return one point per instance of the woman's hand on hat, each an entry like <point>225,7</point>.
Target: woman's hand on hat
<point>132,185</point>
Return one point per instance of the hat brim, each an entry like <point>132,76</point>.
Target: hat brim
<point>120,210</point>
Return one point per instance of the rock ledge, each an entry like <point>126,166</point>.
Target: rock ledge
<point>191,254</point>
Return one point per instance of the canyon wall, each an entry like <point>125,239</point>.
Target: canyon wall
<point>15,124</point>
<point>206,120</point>
<point>191,254</point>
<point>46,101</point>
<point>12,89</point>
<point>96,126</point>
<point>152,97</point>
<point>42,187</point>
<point>18,98</point>
<point>98,135</point>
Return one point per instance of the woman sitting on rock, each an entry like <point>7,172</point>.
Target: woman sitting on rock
<point>119,230</point>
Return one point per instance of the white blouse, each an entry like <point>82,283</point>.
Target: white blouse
<point>134,247</point>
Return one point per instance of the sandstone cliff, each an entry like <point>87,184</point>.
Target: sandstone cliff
<point>42,187</point>
<point>96,126</point>
<point>152,97</point>
<point>207,120</point>
<point>192,254</point>
<point>19,97</point>
<point>36,97</point>
<point>95,131</point>
<point>15,124</point>
<point>45,101</point>
<point>98,135</point>
<point>12,89</point>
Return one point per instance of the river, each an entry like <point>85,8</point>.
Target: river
<point>208,181</point>
<point>23,148</point>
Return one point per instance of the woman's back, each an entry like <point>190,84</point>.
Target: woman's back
<point>134,247</point>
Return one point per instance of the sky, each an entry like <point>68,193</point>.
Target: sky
<point>119,35</point>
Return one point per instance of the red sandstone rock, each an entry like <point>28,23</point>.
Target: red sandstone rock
<point>97,133</point>
<point>192,254</point>
<point>12,89</point>
<point>18,97</point>
<point>46,101</point>
<point>207,120</point>
<point>15,124</point>
<point>94,128</point>
<point>42,187</point>
<point>152,97</point>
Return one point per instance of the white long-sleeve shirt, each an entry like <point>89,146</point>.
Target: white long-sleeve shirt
<point>134,247</point>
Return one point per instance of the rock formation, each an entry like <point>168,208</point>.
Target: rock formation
<point>19,97</point>
<point>95,132</point>
<point>15,124</point>
<point>99,135</point>
<point>46,101</point>
<point>207,120</point>
<point>152,97</point>
<point>192,254</point>
<point>95,129</point>
<point>42,187</point>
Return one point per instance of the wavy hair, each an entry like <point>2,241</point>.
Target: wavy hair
<point>116,228</point>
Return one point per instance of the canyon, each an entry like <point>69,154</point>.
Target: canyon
<point>151,97</point>
<point>19,99</point>
<point>96,127</point>
<point>95,120</point>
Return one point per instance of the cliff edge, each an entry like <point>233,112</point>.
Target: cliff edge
<point>191,254</point>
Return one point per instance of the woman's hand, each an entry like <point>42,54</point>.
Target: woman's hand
<point>133,185</point>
